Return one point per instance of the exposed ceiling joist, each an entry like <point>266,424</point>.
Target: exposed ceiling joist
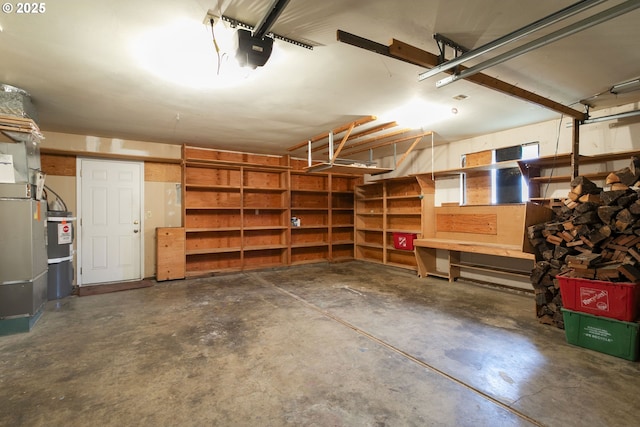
<point>369,131</point>
<point>336,131</point>
<point>386,143</point>
<point>413,55</point>
<point>374,139</point>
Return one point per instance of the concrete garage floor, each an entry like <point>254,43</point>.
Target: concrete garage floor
<point>351,344</point>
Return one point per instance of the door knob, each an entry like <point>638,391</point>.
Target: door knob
<point>135,231</point>
<point>136,222</point>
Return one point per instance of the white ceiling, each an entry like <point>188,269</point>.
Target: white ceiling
<point>78,61</point>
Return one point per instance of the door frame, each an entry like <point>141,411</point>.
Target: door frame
<point>79,215</point>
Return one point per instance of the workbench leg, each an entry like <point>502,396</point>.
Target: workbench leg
<point>454,262</point>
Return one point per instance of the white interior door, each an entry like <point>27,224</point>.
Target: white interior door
<point>110,211</point>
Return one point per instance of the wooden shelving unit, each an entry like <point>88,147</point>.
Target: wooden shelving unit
<point>383,208</point>
<point>236,210</point>
<point>310,205</point>
<point>341,216</point>
<point>324,205</point>
<point>539,171</point>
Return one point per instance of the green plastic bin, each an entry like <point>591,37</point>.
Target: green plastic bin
<point>602,334</point>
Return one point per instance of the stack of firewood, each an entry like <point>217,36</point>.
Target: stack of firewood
<point>594,235</point>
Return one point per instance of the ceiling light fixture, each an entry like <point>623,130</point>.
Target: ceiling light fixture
<point>181,54</point>
<point>626,87</point>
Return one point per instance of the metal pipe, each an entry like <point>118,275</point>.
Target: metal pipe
<point>330,146</point>
<point>596,19</point>
<point>513,36</point>
<point>612,117</point>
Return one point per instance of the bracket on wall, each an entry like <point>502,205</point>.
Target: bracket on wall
<point>443,42</point>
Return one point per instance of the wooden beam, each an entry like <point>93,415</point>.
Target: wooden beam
<point>417,56</point>
<point>413,55</point>
<point>341,146</point>
<point>336,131</point>
<point>384,144</point>
<point>375,129</point>
<point>376,138</point>
<point>575,152</point>
<point>409,150</point>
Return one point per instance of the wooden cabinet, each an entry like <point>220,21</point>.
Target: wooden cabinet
<point>386,207</point>
<point>170,255</point>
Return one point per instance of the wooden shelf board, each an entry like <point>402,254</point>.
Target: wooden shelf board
<point>370,245</point>
<point>342,226</point>
<point>310,261</point>
<point>397,230</point>
<point>411,197</point>
<point>342,209</point>
<point>264,247</point>
<point>212,187</point>
<point>342,242</point>
<point>482,168</point>
<point>565,159</point>
<point>212,251</point>
<point>192,161</point>
<point>264,190</point>
<point>303,190</point>
<point>405,266</point>
<point>266,208</point>
<point>509,251</point>
<point>265,228</point>
<point>212,230</point>
<point>308,245</point>
<point>492,269</point>
<point>404,214</point>
<point>295,208</point>
<point>213,208</point>
<point>369,213</point>
<point>347,169</point>
<point>438,274</point>
<point>311,227</point>
<point>375,230</point>
<point>369,199</point>
<point>567,178</point>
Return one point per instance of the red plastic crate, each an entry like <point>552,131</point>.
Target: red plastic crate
<point>404,240</point>
<point>614,300</point>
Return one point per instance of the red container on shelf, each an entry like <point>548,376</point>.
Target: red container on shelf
<point>403,240</point>
<point>614,300</point>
